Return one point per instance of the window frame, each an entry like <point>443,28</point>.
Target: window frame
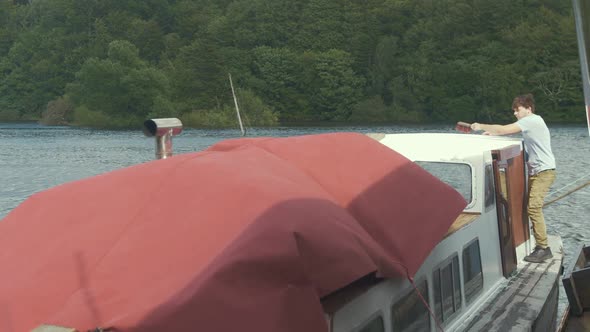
<point>472,199</point>
<point>489,188</point>
<point>439,268</point>
<point>368,320</point>
<point>479,291</point>
<point>408,293</point>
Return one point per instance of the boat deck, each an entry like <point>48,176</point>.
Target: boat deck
<point>578,324</point>
<point>531,296</point>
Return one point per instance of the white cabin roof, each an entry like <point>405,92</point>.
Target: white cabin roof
<point>444,147</point>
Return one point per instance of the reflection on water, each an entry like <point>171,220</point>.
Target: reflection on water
<point>35,158</point>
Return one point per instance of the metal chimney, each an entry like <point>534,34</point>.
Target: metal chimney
<point>163,130</point>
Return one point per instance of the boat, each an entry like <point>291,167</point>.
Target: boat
<point>576,283</point>
<point>475,279</point>
<point>332,232</point>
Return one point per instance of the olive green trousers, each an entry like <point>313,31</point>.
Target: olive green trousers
<point>538,188</point>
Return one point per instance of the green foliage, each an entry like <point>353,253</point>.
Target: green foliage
<point>313,60</point>
<point>85,117</point>
<point>163,108</point>
<point>148,37</point>
<point>98,86</point>
<point>402,115</point>
<point>224,117</point>
<point>32,73</point>
<point>254,112</point>
<point>370,110</point>
<point>122,85</point>
<point>58,112</point>
<point>198,75</point>
<point>9,115</point>
<point>333,86</point>
<point>278,73</point>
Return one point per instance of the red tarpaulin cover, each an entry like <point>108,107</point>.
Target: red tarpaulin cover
<point>245,236</point>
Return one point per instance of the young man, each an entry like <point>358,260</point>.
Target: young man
<point>541,165</point>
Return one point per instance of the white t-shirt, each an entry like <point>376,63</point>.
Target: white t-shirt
<point>537,143</point>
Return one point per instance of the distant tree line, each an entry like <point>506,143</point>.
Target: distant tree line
<point>114,63</point>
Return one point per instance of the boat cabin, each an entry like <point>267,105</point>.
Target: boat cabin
<point>481,252</point>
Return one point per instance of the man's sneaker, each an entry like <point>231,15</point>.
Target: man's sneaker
<point>539,255</point>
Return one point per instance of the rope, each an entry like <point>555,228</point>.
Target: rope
<point>567,193</point>
<point>425,303</point>
<point>569,184</point>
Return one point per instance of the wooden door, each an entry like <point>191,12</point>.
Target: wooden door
<point>511,200</point>
<point>505,220</point>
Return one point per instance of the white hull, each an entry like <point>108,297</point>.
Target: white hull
<point>506,294</point>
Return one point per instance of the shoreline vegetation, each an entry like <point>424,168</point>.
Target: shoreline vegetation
<point>312,124</point>
<point>112,64</point>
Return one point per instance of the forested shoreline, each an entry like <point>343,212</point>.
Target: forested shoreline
<point>115,63</point>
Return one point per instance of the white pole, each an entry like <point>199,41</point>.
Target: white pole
<point>583,55</point>
<point>237,108</point>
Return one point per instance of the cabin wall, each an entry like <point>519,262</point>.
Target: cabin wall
<point>375,305</point>
<point>379,299</point>
<point>486,231</point>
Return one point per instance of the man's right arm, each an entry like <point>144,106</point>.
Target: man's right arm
<point>494,129</point>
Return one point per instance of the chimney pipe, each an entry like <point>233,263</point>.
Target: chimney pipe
<point>162,130</point>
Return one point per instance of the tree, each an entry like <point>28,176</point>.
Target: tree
<point>33,72</point>
<point>122,85</point>
<point>317,60</point>
<point>278,73</point>
<point>333,86</point>
<point>199,77</point>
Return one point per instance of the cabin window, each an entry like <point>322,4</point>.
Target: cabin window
<point>456,175</point>
<point>490,193</point>
<point>447,289</point>
<point>472,274</point>
<point>409,314</point>
<point>373,325</point>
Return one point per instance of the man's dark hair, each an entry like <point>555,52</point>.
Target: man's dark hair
<point>524,101</point>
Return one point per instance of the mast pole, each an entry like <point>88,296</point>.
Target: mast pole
<point>581,28</point>
<point>237,108</point>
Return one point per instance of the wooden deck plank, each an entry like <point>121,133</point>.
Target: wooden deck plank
<point>578,324</point>
<point>523,302</point>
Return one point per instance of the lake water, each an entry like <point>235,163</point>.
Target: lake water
<point>35,157</point>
